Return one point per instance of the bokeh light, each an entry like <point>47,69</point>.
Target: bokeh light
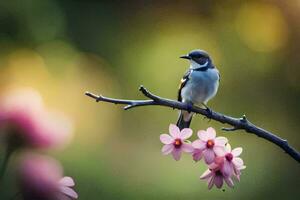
<point>262,26</point>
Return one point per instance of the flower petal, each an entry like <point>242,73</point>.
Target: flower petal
<point>62,196</point>
<point>67,181</point>
<point>211,133</point>
<point>219,160</point>
<point>219,151</point>
<point>176,154</point>
<point>238,178</point>
<point>241,167</point>
<point>211,182</point>
<point>237,151</point>
<point>187,148</point>
<point>202,135</point>
<point>174,131</point>
<point>209,156</point>
<point>167,149</point>
<point>197,155</point>
<point>238,162</point>
<point>229,182</point>
<point>237,172</point>
<point>199,144</point>
<point>166,139</point>
<point>221,141</point>
<point>227,169</point>
<point>214,166</point>
<point>186,133</point>
<point>228,148</point>
<point>219,181</point>
<point>69,192</point>
<point>208,173</point>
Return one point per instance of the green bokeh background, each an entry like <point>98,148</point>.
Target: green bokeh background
<point>63,48</point>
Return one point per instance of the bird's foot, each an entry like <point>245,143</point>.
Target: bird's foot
<point>189,107</point>
<point>209,112</point>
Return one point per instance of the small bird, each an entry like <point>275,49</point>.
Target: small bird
<point>198,85</point>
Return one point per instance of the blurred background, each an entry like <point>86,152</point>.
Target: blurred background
<point>64,48</point>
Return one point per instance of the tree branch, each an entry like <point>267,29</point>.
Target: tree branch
<point>236,123</point>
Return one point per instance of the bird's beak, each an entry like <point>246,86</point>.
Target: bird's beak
<point>185,57</point>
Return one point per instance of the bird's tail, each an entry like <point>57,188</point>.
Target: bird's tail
<point>184,120</point>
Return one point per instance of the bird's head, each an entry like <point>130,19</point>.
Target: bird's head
<point>198,58</point>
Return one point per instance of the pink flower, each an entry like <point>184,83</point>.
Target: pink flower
<point>215,176</point>
<point>65,189</point>
<point>229,161</point>
<point>207,145</point>
<point>27,123</point>
<point>197,154</point>
<point>175,142</point>
<point>40,178</point>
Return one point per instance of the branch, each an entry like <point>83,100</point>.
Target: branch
<point>236,123</point>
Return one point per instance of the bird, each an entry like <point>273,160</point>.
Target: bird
<point>199,84</point>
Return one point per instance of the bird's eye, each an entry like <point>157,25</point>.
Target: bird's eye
<point>201,60</point>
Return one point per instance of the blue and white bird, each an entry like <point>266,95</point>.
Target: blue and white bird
<point>198,85</point>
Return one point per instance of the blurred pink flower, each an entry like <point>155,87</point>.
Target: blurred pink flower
<point>65,185</point>
<point>27,123</point>
<point>175,142</point>
<point>207,144</point>
<point>40,178</point>
<point>229,161</point>
<point>215,176</point>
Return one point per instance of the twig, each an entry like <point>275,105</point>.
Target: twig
<point>236,123</point>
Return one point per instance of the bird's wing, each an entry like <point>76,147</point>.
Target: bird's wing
<point>183,82</point>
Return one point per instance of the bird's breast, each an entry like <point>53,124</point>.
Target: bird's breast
<point>201,87</point>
